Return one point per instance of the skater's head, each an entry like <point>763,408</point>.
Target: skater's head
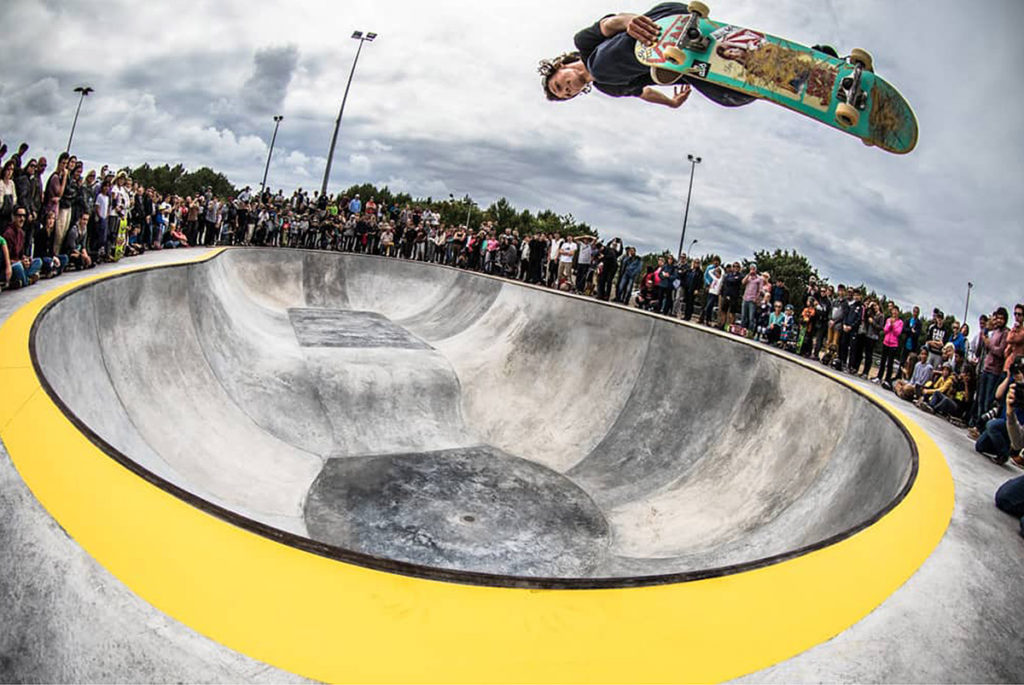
<point>564,77</point>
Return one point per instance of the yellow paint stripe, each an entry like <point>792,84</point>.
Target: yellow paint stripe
<point>338,622</point>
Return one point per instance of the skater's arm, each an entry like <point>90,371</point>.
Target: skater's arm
<point>676,100</point>
<point>638,26</point>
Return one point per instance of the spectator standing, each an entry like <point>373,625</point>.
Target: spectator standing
<point>729,295</point>
<point>692,279</point>
<point>566,254</point>
<point>554,258</point>
<point>609,265</point>
<point>55,185</point>
<point>537,257</point>
<point>584,261</point>
<point>992,369</point>
<point>850,328</point>
<point>836,316</point>
<point>752,284</point>
<point>631,267</point>
<point>912,331</point>
<point>823,309</point>
<point>1015,339</point>
<point>667,274</point>
<point>936,338</point>
<point>8,194</point>
<point>714,288</point>
<point>891,332</point>
<point>870,330</point>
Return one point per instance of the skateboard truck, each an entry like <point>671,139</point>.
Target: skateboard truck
<point>853,98</point>
<point>692,38</point>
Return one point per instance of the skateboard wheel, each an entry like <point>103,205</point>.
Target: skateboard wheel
<point>674,55</point>
<point>847,115</point>
<point>700,9</point>
<point>863,58</point>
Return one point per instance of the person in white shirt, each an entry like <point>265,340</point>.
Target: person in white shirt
<point>566,253</point>
<point>554,248</point>
<point>717,276</point>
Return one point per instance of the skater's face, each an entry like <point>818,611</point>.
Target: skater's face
<point>568,81</point>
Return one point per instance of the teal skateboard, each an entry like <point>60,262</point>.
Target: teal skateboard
<point>843,93</point>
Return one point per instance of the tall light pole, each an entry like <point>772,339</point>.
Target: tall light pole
<point>83,90</point>
<point>357,35</point>
<point>967,305</point>
<point>266,170</point>
<point>694,161</point>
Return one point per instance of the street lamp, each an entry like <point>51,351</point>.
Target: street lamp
<point>83,90</point>
<point>277,123</point>
<point>694,161</point>
<point>967,305</point>
<point>469,208</point>
<point>689,250</point>
<point>367,38</point>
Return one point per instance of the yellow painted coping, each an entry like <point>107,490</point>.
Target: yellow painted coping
<point>338,622</point>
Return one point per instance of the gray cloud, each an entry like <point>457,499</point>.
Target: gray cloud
<point>264,91</point>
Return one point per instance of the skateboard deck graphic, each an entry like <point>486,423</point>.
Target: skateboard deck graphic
<point>812,83</point>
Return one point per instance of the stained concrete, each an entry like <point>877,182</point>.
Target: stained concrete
<point>669,450</point>
<point>65,619</point>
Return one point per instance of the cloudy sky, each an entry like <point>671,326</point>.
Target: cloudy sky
<point>448,100</point>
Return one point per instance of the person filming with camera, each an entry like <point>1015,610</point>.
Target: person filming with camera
<point>995,439</point>
<point>1010,496</point>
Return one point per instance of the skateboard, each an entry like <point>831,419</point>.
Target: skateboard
<point>843,93</point>
<point>121,240</point>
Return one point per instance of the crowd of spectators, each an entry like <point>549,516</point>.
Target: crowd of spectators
<point>71,219</point>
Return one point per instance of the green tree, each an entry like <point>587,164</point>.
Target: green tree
<point>792,268</point>
<point>503,214</point>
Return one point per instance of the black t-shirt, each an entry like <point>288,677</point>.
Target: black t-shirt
<point>731,285</point>
<point>612,62</point>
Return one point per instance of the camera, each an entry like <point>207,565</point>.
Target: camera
<point>1018,394</point>
<point>1017,366</point>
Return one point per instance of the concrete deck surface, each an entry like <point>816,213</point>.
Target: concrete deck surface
<point>957,619</point>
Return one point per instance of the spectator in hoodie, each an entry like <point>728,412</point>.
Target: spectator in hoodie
<point>891,332</point>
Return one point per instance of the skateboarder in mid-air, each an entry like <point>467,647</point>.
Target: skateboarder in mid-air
<point>605,59</point>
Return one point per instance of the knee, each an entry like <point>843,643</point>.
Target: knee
<point>1010,497</point>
